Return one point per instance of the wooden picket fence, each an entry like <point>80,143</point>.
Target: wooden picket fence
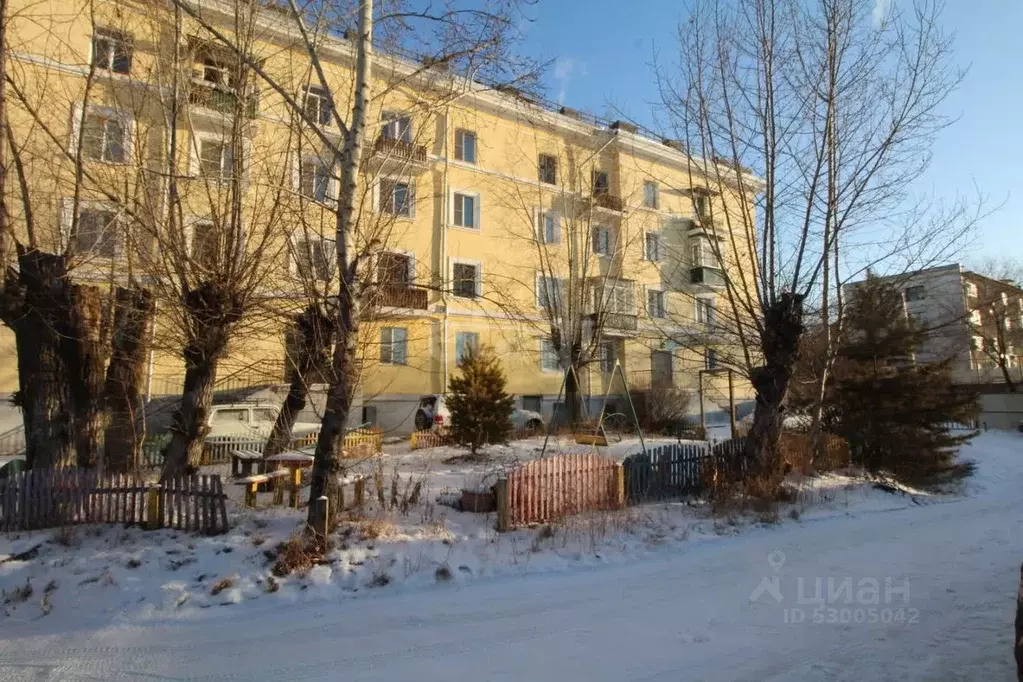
<point>427,439</point>
<point>51,498</point>
<point>669,471</point>
<point>548,489</point>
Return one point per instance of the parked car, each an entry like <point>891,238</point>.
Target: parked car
<point>434,413</point>
<point>251,420</point>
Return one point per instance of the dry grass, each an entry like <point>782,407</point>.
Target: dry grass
<point>297,555</point>
<point>222,585</point>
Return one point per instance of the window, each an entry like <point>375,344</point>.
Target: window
<point>466,210</point>
<point>465,278</point>
<point>548,166</point>
<point>465,146</point>
<point>264,415</point>
<point>970,289</point>
<point>314,258</point>
<point>314,179</point>
<point>601,185</point>
<point>696,254</point>
<point>549,292</point>
<point>710,359</point>
<point>650,195</point>
<point>104,138</point>
<point>653,246</point>
<point>607,354</point>
<point>317,105</point>
<point>396,197</point>
<point>549,228</point>
<point>216,159</point>
<point>230,416</point>
<point>216,69</point>
<point>915,293</point>
<point>660,368</point>
<point>704,311</point>
<point>975,318</point>
<point>655,303</point>
<point>205,244</point>
<point>394,346</point>
<point>603,241</point>
<point>549,361</point>
<point>111,51</point>
<point>701,205</point>
<point>394,269</point>
<point>396,126</point>
<point>617,298</point>
<point>465,343</point>
<point>96,232</point>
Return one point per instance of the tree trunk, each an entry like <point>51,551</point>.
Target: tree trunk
<point>83,345</point>
<point>573,398</point>
<point>314,331</point>
<point>35,301</point>
<point>212,312</point>
<point>783,327</point>
<point>345,365</point>
<point>1010,385</point>
<point>126,424</point>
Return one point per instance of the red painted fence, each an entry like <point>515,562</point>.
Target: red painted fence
<point>548,489</point>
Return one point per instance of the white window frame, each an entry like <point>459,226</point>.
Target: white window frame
<point>475,146</point>
<point>458,360</point>
<point>971,290</point>
<point>114,36</point>
<point>701,199</point>
<point>66,217</point>
<point>611,294</point>
<point>612,241</point>
<point>541,226</point>
<point>241,166</point>
<point>656,205</point>
<point>647,290</point>
<point>332,181</point>
<point>390,345</point>
<point>553,353</point>
<point>919,293</point>
<point>189,230</point>
<point>323,109</point>
<point>476,210</point>
<point>411,255</point>
<point>706,303</point>
<point>539,282</point>
<point>390,118</point>
<point>127,121</point>
<point>378,196</point>
<point>479,277</point>
<point>660,246</point>
<point>299,238</point>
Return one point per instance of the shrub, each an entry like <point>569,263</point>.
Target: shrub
<point>480,407</point>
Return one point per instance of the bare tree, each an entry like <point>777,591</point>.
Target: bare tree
<point>995,315</point>
<point>836,108</point>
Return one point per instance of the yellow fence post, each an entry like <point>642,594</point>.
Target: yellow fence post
<point>414,442</point>
<point>153,520</point>
<point>296,483</point>
<point>250,494</point>
<point>503,511</point>
<point>620,484</point>
<point>360,492</point>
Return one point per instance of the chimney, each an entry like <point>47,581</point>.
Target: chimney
<point>674,144</point>
<point>625,126</point>
<point>571,113</point>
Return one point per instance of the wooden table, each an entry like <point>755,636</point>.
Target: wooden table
<point>253,482</point>
<point>242,462</point>
<point>293,462</point>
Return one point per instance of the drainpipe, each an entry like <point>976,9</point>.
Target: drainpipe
<point>152,354</point>
<point>444,250</point>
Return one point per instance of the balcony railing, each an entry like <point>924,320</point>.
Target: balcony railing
<point>220,99</point>
<point>402,296</point>
<point>711,277</point>
<point>400,149</point>
<point>619,321</point>
<point>609,202</point>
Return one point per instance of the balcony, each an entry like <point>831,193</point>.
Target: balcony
<point>617,321</point>
<point>390,155</point>
<point>401,296</point>
<point>709,277</point>
<point>608,202</point>
<point>216,98</point>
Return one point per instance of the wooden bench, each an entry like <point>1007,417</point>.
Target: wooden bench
<point>242,462</point>
<point>253,482</point>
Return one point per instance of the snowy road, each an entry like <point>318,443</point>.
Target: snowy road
<point>686,615</point>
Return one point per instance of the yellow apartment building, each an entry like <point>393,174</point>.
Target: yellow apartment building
<point>475,204</point>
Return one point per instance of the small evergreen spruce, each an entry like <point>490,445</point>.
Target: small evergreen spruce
<point>894,411</point>
<point>480,408</point>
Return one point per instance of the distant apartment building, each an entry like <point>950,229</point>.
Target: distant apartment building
<point>974,319</point>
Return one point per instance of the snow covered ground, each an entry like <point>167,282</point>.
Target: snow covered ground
<point>910,587</point>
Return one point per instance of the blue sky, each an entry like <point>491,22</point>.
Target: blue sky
<point>604,49</point>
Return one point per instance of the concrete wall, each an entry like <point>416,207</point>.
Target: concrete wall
<point>1001,410</point>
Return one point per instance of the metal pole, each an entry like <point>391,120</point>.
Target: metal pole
<point>731,402</point>
<point>703,415</point>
